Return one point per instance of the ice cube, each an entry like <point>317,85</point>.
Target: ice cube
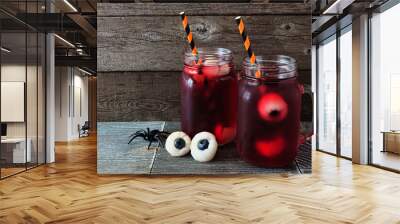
<point>215,71</point>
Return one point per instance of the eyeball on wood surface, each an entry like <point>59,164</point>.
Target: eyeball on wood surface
<point>203,147</point>
<point>178,144</point>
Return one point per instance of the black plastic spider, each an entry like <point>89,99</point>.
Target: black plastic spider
<point>150,136</point>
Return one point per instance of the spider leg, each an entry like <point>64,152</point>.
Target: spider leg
<point>148,147</point>
<point>141,132</point>
<point>135,136</point>
<point>136,133</point>
<point>161,141</point>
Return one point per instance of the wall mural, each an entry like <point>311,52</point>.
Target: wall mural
<point>173,82</point>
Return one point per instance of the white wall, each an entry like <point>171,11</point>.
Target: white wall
<point>11,73</point>
<point>71,102</point>
<point>62,81</point>
<point>17,73</point>
<point>33,126</point>
<point>79,110</point>
<point>13,101</point>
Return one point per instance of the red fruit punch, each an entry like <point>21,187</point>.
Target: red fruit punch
<point>209,97</point>
<point>224,134</point>
<point>269,113</point>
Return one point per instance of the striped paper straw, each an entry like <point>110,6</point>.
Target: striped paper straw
<point>189,36</point>
<point>246,43</point>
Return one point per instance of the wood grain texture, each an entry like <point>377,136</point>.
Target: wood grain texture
<point>226,162</point>
<point>92,107</point>
<point>201,9</point>
<point>140,96</point>
<point>115,156</point>
<point>70,191</point>
<point>147,96</point>
<point>202,1</point>
<point>143,43</point>
<point>141,46</point>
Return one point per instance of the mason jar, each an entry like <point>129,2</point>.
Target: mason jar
<point>209,94</point>
<point>269,108</point>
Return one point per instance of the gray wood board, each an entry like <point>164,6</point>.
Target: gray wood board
<point>140,96</point>
<point>115,156</point>
<point>152,39</point>
<point>226,161</point>
<point>304,157</point>
<point>181,1</point>
<point>173,9</point>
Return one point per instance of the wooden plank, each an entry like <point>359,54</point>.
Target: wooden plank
<point>304,158</point>
<point>70,191</point>
<point>115,156</point>
<point>201,1</point>
<point>144,96</point>
<point>201,9</point>
<point>123,167</point>
<point>143,43</point>
<point>205,1</point>
<point>226,162</point>
<point>304,76</point>
<point>106,97</point>
<point>140,96</point>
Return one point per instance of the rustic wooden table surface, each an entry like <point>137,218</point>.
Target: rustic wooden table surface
<point>115,156</point>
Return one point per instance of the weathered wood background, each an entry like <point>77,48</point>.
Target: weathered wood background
<point>141,45</point>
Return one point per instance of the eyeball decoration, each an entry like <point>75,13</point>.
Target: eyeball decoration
<point>178,144</point>
<point>272,108</point>
<point>203,147</point>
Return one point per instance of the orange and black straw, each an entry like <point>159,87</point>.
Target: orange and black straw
<point>246,43</point>
<point>189,35</point>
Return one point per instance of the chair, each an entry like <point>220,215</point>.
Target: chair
<point>84,130</point>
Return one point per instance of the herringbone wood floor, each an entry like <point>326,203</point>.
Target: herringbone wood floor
<point>70,191</point>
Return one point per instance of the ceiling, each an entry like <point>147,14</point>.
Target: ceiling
<point>74,22</point>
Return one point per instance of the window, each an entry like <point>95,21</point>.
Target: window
<point>346,92</point>
<point>22,78</point>
<point>385,89</point>
<point>334,94</point>
<point>326,105</point>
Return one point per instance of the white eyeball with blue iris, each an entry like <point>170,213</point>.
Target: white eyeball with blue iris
<point>178,144</point>
<point>203,147</point>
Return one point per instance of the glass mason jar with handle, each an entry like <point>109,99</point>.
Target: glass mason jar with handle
<point>209,94</point>
<point>269,109</point>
